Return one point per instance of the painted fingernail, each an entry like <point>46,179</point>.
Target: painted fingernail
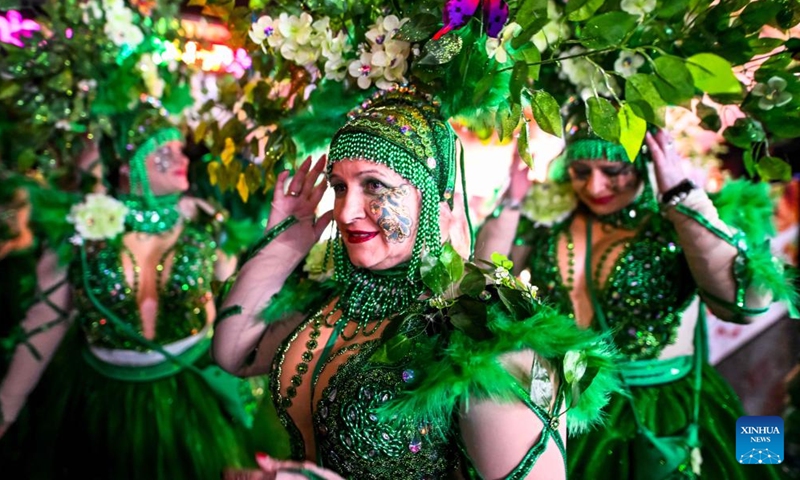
<point>261,456</point>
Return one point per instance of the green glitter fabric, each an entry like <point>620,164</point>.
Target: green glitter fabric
<point>183,291</point>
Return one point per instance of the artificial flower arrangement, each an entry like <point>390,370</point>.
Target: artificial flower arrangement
<point>513,61</point>
<point>89,63</point>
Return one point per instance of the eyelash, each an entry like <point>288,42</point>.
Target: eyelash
<point>370,186</point>
<point>609,172</point>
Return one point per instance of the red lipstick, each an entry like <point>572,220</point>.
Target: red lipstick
<point>601,200</point>
<point>357,236</point>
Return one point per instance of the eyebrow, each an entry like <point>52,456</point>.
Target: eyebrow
<point>363,173</point>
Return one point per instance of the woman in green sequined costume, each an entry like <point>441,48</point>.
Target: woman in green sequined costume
<point>374,378</point>
<point>624,263</point>
<point>131,392</point>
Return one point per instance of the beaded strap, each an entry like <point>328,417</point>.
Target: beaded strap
<point>18,335</point>
<point>227,312</point>
<point>739,266</point>
<point>271,235</point>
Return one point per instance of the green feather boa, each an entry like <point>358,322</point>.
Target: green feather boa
<point>454,368</point>
<point>747,206</point>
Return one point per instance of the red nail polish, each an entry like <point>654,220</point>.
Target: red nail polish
<point>261,456</point>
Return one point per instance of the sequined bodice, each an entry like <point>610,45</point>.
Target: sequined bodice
<point>350,437</point>
<point>182,297</point>
<point>644,295</point>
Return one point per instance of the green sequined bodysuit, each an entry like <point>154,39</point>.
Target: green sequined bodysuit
<point>350,436</point>
<point>182,292</point>
<point>648,287</point>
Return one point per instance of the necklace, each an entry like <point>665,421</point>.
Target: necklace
<point>154,216</point>
<point>632,215</point>
<point>569,283</point>
<point>375,295</point>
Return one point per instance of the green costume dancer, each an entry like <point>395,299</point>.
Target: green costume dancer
<point>643,271</point>
<point>132,392</point>
<point>397,371</point>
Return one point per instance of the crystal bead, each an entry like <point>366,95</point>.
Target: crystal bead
<point>416,445</point>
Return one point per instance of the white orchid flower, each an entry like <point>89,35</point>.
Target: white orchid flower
<point>638,7</point>
<point>628,63</point>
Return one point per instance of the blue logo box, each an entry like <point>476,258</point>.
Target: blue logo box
<point>759,440</point>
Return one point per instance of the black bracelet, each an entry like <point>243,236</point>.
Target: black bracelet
<point>678,193</point>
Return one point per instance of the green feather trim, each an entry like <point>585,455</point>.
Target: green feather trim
<point>747,206</point>
<point>767,273</point>
<point>468,368</point>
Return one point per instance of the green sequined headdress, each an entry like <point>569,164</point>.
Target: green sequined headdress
<point>583,144</point>
<point>143,134</point>
<point>403,130</point>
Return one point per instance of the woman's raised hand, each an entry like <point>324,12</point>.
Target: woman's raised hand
<point>301,197</point>
<point>669,166</point>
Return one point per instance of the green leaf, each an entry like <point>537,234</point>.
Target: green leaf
<point>632,130</point>
<point>713,74</point>
<point>749,164</point>
<point>538,20</point>
<point>608,29</point>
<point>671,8</point>
<point>603,119</point>
<point>8,90</point>
<point>519,78</point>
<point>452,265</point>
<point>709,118</point>
<point>757,14</point>
<point>546,112</point>
<point>644,99</point>
<point>674,81</point>
<point>482,87</point>
<point>508,119</point>
<point>222,10</point>
<point>580,10</point>
<point>515,302</point>
<point>744,132</point>
<point>431,276</point>
<point>438,52</point>
<point>774,168</point>
<point>532,57</point>
<point>469,316</point>
<point>393,350</point>
<point>502,261</point>
<point>523,149</point>
<point>420,27</point>
<point>474,282</point>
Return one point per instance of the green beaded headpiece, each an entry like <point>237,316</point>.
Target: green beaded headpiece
<point>403,130</point>
<point>148,131</point>
<point>582,144</point>
<point>138,161</point>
